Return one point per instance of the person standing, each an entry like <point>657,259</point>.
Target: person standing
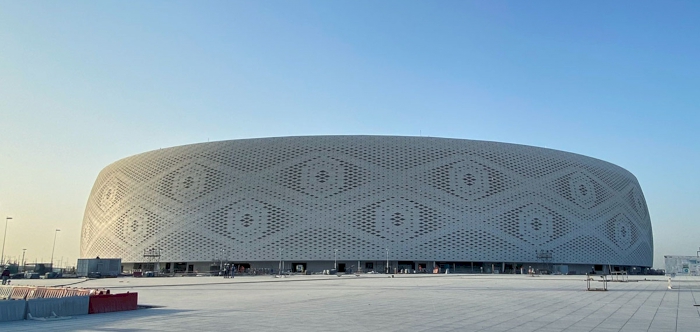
<point>5,276</point>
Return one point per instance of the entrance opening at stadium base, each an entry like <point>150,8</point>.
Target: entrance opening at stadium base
<point>242,267</point>
<point>180,267</point>
<point>299,267</point>
<point>406,267</point>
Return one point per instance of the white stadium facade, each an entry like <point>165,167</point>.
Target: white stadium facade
<point>318,202</point>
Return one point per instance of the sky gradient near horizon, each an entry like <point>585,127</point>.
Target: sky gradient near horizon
<point>83,84</point>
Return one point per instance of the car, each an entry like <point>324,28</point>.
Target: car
<point>94,275</point>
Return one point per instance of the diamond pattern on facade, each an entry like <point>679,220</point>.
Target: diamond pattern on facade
<point>420,197</point>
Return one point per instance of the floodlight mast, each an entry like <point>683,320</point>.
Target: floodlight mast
<point>54,246</point>
<point>2,257</point>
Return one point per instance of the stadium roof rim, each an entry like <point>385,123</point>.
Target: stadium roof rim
<point>372,136</point>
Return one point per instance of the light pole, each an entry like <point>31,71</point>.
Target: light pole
<point>335,259</point>
<point>387,260</point>
<point>280,265</point>
<point>23,265</point>
<point>2,257</point>
<point>54,246</point>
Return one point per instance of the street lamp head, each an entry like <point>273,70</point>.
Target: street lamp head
<point>8,218</point>
<point>58,230</point>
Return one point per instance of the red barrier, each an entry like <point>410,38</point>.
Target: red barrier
<point>113,302</point>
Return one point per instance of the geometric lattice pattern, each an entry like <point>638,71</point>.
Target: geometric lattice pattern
<point>423,198</point>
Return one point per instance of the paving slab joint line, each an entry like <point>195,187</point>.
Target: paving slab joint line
<point>234,283</point>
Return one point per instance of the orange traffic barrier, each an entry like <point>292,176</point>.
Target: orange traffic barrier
<point>28,293</point>
<point>36,293</point>
<point>82,292</point>
<point>72,292</point>
<point>55,293</point>
<point>20,292</point>
<point>5,292</point>
<point>76,292</point>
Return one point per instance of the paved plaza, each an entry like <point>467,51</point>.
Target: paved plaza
<point>378,303</point>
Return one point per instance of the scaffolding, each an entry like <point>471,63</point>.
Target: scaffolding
<point>545,257</point>
<point>151,257</point>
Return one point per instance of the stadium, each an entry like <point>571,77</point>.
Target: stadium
<point>367,203</point>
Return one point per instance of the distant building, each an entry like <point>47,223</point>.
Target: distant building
<point>682,265</point>
<point>315,203</point>
<point>99,267</point>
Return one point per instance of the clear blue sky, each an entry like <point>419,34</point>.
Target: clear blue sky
<point>85,83</point>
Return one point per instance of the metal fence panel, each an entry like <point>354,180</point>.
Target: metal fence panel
<point>12,310</point>
<point>66,306</point>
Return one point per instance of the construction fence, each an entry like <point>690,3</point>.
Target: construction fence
<point>27,302</point>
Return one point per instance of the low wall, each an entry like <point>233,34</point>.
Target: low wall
<point>65,306</point>
<point>18,302</point>
<point>12,310</point>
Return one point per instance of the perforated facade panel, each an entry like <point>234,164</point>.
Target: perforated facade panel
<point>423,198</point>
